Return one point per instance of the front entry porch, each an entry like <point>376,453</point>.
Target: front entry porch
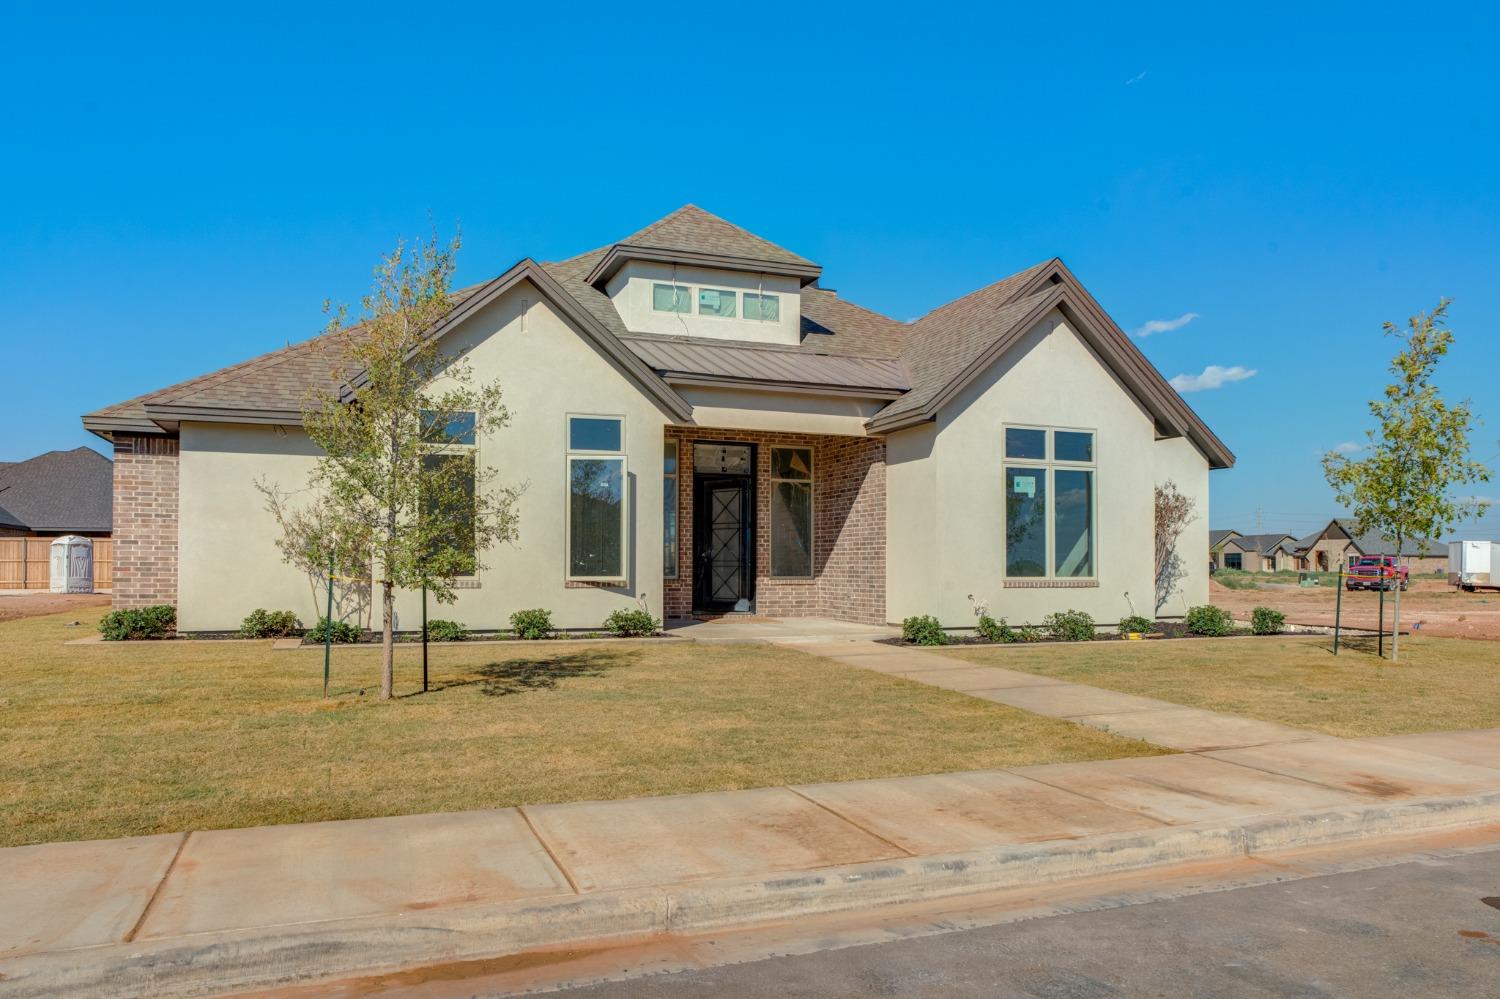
<point>778,525</point>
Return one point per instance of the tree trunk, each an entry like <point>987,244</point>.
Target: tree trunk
<point>387,641</point>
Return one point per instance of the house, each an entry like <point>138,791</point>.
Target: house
<point>57,493</point>
<point>46,497</point>
<point>1216,542</point>
<point>1257,552</point>
<point>1340,543</point>
<point>703,425</point>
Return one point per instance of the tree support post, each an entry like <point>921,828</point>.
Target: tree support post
<point>1338,610</point>
<point>424,638</point>
<point>1380,642</point>
<point>328,630</point>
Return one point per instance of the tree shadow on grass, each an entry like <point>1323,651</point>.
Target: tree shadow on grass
<point>517,676</point>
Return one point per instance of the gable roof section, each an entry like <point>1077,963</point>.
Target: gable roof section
<point>951,346</point>
<point>1216,538</point>
<point>59,491</point>
<point>692,236</point>
<point>1264,544</point>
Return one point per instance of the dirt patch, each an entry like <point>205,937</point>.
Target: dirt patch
<point>1430,607</point>
<point>14,606</point>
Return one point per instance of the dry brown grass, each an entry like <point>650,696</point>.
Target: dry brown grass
<point>1440,684</point>
<point>125,739</point>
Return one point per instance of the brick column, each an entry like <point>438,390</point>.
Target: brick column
<point>145,515</point>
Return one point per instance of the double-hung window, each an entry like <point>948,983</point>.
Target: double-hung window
<point>449,453</point>
<point>1049,503</point>
<point>669,510</point>
<point>597,527</point>
<point>791,511</point>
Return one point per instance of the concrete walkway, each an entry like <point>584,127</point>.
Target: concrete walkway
<point>1191,730</point>
<point>279,903</point>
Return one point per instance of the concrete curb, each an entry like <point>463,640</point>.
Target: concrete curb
<point>265,957</point>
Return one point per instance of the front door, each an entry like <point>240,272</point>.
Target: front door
<point>723,542</point>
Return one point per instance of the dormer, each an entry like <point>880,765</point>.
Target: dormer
<point>693,274</point>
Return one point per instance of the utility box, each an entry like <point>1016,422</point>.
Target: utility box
<point>1472,565</point>
<point>72,565</point>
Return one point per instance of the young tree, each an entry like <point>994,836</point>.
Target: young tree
<point>1418,453</point>
<point>397,490</point>
<point>1174,511</point>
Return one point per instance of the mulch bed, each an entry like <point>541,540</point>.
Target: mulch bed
<point>1165,630</point>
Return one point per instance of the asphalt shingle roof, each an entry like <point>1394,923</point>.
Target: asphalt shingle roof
<point>59,491</point>
<point>691,228</point>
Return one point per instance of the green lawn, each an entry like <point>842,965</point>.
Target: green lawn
<point>126,739</point>
<point>1440,684</point>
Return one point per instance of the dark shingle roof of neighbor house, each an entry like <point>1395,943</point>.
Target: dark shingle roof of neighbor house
<point>59,491</point>
<point>1265,544</point>
<point>1371,543</point>
<point>1215,538</point>
<point>843,346</point>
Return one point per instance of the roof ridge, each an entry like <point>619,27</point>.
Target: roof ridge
<point>1023,272</point>
<point>683,210</point>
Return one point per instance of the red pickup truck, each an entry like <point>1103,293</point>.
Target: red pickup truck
<point>1376,572</point>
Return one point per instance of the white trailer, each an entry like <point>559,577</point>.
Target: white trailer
<point>1474,565</point>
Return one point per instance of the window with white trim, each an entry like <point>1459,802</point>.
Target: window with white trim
<point>1050,521</point>
<point>792,511</point>
<point>597,482</point>
<point>763,308</point>
<point>450,453</point>
<point>671,298</point>
<point>717,302</point>
<point>669,510</point>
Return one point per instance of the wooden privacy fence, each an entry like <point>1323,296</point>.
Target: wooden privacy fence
<point>25,563</point>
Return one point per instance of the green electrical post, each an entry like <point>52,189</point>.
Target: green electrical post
<point>1338,609</point>
<point>328,630</point>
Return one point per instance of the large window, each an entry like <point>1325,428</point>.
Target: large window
<point>596,498</point>
<point>765,308</point>
<point>450,451</point>
<point>791,511</point>
<point>1049,503</point>
<point>716,302</point>
<point>671,298</point>
<point>669,510</point>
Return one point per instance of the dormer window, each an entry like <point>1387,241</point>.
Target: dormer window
<point>765,308</point>
<point>714,302</point>
<point>671,298</point>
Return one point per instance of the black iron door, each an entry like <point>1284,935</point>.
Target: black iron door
<point>723,541</point>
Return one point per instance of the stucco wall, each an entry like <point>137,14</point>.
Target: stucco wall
<point>630,289</point>
<point>1179,461</point>
<point>229,564</point>
<point>946,505</point>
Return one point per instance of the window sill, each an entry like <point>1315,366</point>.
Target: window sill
<point>1051,584</point>
<point>598,584</point>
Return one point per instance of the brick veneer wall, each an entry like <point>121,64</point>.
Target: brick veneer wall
<point>848,580</point>
<point>145,515</point>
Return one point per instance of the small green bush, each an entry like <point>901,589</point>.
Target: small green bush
<point>626,623</point>
<point>1265,621</point>
<point>532,624</point>
<point>1136,622</point>
<point>340,632</point>
<point>1029,633</point>
<point>445,631</point>
<point>995,631</point>
<point>261,623</point>
<point>923,630</point>
<point>1070,626</point>
<point>139,623</point>
<point>1209,620</point>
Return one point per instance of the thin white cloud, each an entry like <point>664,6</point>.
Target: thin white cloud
<point>1212,377</point>
<point>1349,447</point>
<point>1166,325</point>
<point>1137,78</point>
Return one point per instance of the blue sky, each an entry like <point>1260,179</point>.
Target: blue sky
<point>184,187</point>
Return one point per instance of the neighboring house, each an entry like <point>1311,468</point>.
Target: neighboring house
<point>1216,542</point>
<point>57,493</point>
<point>1258,552</point>
<point>702,425</point>
<point>1339,543</point>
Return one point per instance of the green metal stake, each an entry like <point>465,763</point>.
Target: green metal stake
<point>424,638</point>
<point>1380,642</point>
<point>1338,610</point>
<point>328,630</point>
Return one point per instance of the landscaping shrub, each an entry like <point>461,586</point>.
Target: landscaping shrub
<point>923,630</point>
<point>342,632</point>
<point>533,623</point>
<point>995,631</point>
<point>1070,626</point>
<point>1209,620</point>
<point>138,623</point>
<point>1265,621</point>
<point>1029,633</point>
<point>626,623</point>
<point>261,623</point>
<point>445,631</point>
<point>1136,622</point>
